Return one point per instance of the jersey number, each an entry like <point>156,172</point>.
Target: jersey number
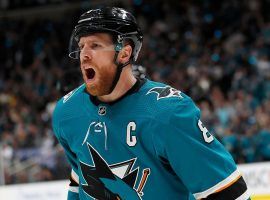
<point>206,135</point>
<point>131,139</point>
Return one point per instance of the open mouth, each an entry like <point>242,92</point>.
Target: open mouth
<point>90,73</point>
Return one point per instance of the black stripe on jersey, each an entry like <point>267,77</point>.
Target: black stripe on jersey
<point>230,193</point>
<point>73,182</point>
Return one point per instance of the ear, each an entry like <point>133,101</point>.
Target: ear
<point>125,54</point>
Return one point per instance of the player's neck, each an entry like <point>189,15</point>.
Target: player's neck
<point>126,81</point>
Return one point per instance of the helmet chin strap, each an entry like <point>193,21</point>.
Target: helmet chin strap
<point>119,69</point>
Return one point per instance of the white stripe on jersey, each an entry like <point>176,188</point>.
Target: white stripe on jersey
<point>75,176</point>
<point>244,196</point>
<point>70,94</point>
<point>218,186</point>
<point>74,189</point>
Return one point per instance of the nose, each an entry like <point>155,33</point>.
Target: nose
<point>85,54</point>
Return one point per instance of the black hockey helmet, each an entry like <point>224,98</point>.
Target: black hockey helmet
<point>116,21</point>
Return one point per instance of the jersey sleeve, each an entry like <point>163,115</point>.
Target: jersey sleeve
<point>73,195</point>
<point>73,192</point>
<point>199,160</point>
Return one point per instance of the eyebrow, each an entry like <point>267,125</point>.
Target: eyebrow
<point>94,41</point>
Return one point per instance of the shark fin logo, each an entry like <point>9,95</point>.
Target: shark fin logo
<point>112,182</point>
<point>165,92</point>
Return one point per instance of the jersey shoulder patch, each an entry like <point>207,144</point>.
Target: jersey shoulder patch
<point>165,92</point>
<point>68,104</point>
<point>71,93</point>
<point>162,100</point>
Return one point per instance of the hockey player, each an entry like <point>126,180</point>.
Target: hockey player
<point>131,138</point>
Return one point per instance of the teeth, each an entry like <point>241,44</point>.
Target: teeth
<point>86,66</point>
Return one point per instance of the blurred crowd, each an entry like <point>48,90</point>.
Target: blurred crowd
<point>17,4</point>
<point>218,52</point>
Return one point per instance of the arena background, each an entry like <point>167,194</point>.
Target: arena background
<point>215,51</point>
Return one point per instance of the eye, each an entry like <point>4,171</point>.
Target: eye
<point>95,46</point>
<point>81,46</point>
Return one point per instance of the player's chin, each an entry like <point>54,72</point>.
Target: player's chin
<point>97,90</point>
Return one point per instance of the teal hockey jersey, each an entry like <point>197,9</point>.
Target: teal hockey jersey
<point>149,144</point>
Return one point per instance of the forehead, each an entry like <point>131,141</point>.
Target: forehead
<point>97,37</point>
